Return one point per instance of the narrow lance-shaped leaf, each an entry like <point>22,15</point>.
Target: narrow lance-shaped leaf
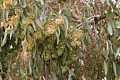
<point>7,12</point>
<point>105,67</point>
<point>34,27</point>
<point>114,69</point>
<point>4,39</point>
<point>71,73</point>
<point>1,78</point>
<point>66,26</point>
<point>109,28</point>
<point>57,35</point>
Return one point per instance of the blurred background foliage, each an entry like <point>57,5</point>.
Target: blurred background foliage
<point>59,40</point>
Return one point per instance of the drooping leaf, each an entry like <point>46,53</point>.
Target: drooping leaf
<point>1,78</point>
<point>109,28</point>
<point>57,35</point>
<point>105,68</point>
<point>71,73</point>
<point>4,39</point>
<point>66,26</point>
<point>114,69</point>
<point>67,13</point>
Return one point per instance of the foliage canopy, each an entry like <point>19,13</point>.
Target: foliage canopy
<point>59,39</point>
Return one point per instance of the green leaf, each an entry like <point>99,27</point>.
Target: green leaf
<point>37,21</point>
<point>105,67</point>
<point>103,1</point>
<point>54,76</point>
<point>23,3</point>
<point>117,53</point>
<point>0,66</point>
<point>57,35</point>
<point>66,26</point>
<point>42,2</point>
<point>71,73</point>
<point>10,78</point>
<point>114,69</point>
<point>7,13</point>
<point>30,69</point>
<point>117,24</point>
<point>109,13</point>
<point>83,78</point>
<point>67,13</point>
<point>43,78</point>
<point>1,78</point>
<point>15,2</point>
<point>4,39</point>
<point>85,23</point>
<point>34,27</point>
<point>109,28</point>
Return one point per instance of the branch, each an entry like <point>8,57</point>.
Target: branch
<point>91,20</point>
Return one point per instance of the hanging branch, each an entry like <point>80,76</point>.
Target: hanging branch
<point>91,20</point>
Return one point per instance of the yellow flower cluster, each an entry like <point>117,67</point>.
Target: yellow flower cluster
<point>60,20</point>
<point>12,24</point>
<point>27,56</point>
<point>52,26</point>
<point>47,55</point>
<point>74,35</point>
<point>37,35</point>
<point>14,21</point>
<point>31,15</point>
<point>64,69</point>
<point>7,3</point>
<point>4,24</point>
<point>29,43</point>
<point>27,21</point>
<point>60,50</point>
<point>8,30</point>
<point>74,57</point>
<point>75,43</point>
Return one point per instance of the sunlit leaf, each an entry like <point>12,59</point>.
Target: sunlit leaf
<point>67,13</point>
<point>38,22</point>
<point>1,78</point>
<point>42,2</point>
<point>109,28</point>
<point>4,39</point>
<point>34,27</point>
<point>57,35</point>
<point>114,69</point>
<point>105,68</point>
<point>117,53</point>
<point>83,78</point>
<point>66,26</point>
<point>71,73</point>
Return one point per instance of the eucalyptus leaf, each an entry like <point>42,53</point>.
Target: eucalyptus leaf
<point>4,39</point>
<point>38,23</point>
<point>83,78</point>
<point>7,13</point>
<point>0,66</point>
<point>23,3</point>
<point>34,27</point>
<point>117,53</point>
<point>57,35</point>
<point>114,69</point>
<point>105,68</point>
<point>67,13</point>
<point>10,78</point>
<point>109,28</point>
<point>42,2</point>
<point>71,73</point>
<point>1,78</point>
<point>30,69</point>
<point>66,26</point>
